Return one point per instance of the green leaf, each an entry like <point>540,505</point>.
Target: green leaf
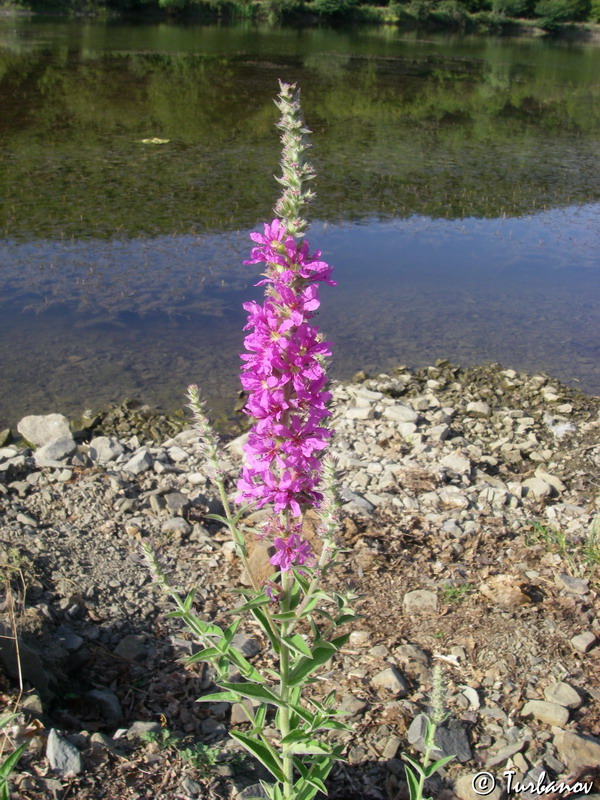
<point>254,691</point>
<point>293,736</point>
<point>220,697</point>
<point>441,762</point>
<point>7,766</point>
<point>413,783</point>
<point>303,583</point>
<point>285,616</point>
<point>261,600</point>
<point>187,603</point>
<point>325,614</point>
<point>309,746</point>
<point>208,654</point>
<point>260,751</point>
<point>231,630</point>
<point>245,667</point>
<point>321,654</point>
<point>310,606</point>
<point>414,764</point>
<point>344,618</point>
<point>303,713</point>
<point>259,717</point>
<point>298,645</point>
<point>304,790</point>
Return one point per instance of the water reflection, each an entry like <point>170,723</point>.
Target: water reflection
<point>523,291</point>
<point>458,197</point>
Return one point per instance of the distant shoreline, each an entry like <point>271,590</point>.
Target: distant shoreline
<point>402,17</point>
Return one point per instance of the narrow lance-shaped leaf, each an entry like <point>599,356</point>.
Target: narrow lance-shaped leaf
<point>260,751</point>
<point>254,691</point>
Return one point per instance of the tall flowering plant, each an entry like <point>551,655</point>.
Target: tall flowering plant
<point>284,375</point>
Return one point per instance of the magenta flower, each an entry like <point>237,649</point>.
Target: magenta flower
<point>284,376</point>
<point>291,551</point>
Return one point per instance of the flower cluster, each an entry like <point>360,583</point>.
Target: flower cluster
<point>284,375</point>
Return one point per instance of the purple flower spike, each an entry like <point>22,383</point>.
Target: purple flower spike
<point>291,551</point>
<point>284,376</point>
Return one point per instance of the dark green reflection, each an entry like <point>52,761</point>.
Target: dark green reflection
<point>446,128</point>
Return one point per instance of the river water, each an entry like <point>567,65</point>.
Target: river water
<point>458,198</point>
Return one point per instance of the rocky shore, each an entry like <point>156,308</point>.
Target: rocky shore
<point>469,530</point>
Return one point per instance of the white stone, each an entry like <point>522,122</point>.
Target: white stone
<point>40,429</point>
<point>537,487</point>
<point>456,463</point>
<point>177,454</point>
<point>52,452</point>
<point>400,413</point>
<point>479,410</point>
<point>140,462</point>
<point>104,449</point>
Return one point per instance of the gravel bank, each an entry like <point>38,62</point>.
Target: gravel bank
<point>470,498</point>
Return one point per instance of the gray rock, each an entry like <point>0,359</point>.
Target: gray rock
<point>452,497</point>
<point>355,500</point>
<point>400,413</point>
<point>56,450</point>
<point>69,640</point>
<point>140,462</point>
<point>438,433</point>
<point>238,715</point>
<point>42,429</point>
<point>391,680</point>
<point>456,463</point>
<point>537,487</point>
<point>132,647</point>
<point>406,653</point>
<point>577,751</point>
<point>479,410</point>
<point>254,792</point>
<point>247,645</point>
<point>563,694</point>
<point>553,480</point>
<point>353,705</point>
<point>550,713</point>
<point>452,739</point>
<point>359,413</point>
<point>177,502</point>
<point>108,704</point>
<point>420,601</point>
<point>104,449</point>
<point>571,584</point>
<point>505,753</point>
<point>25,663</point>
<point>417,731</point>
<point>178,454</point>
<point>176,525</point>
<point>391,747</point>
<point>63,756</point>
<point>583,641</point>
<point>192,788</point>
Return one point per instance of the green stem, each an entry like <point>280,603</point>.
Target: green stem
<point>284,691</point>
<point>429,746</point>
